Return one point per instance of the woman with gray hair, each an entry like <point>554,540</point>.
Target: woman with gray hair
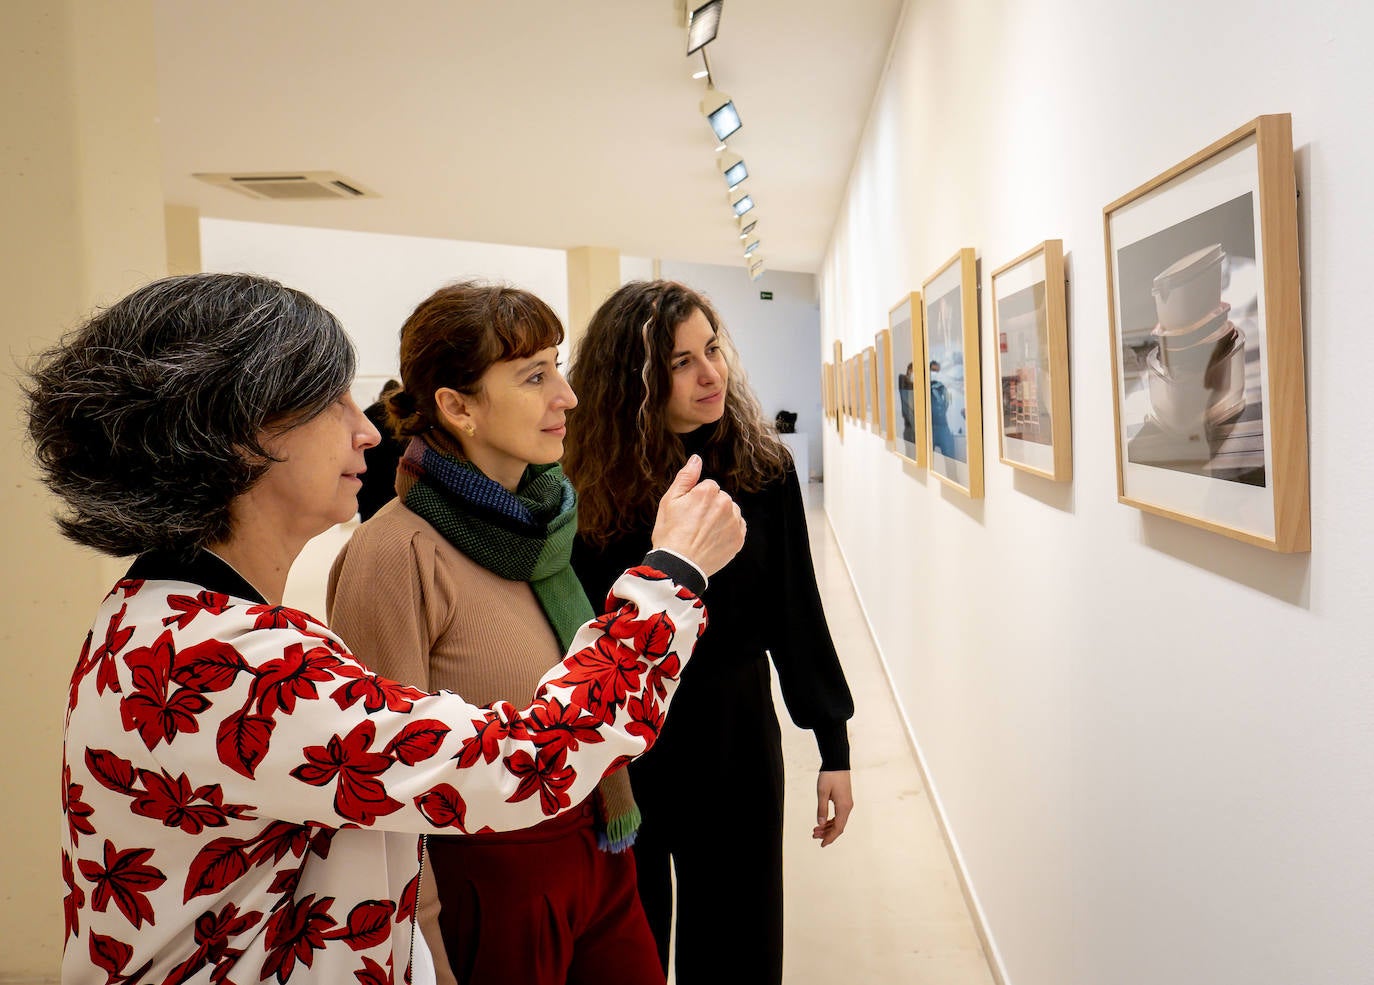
<point>242,796</point>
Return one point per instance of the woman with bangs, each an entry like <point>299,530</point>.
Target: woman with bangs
<point>656,384</point>
<point>463,583</point>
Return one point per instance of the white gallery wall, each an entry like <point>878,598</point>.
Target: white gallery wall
<point>1152,746</point>
<point>372,281</point>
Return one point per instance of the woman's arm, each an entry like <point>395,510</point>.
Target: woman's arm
<point>264,706</point>
<point>809,672</point>
<point>810,676</point>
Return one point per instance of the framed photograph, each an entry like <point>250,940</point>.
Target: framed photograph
<point>1030,324</point>
<point>904,379</point>
<point>856,369</point>
<point>1206,341</point>
<point>837,380</point>
<point>954,408</point>
<point>871,388</point>
<point>882,345</point>
<point>847,374</point>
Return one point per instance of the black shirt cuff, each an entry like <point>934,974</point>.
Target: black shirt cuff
<point>683,572</point>
<point>833,742</point>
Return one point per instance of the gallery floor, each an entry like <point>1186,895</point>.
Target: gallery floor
<point>883,903</point>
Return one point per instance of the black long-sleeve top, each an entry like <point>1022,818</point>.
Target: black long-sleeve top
<point>764,602</point>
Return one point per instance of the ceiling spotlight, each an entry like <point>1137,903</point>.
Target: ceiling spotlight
<point>746,225</point>
<point>732,166</point>
<point>700,74</point>
<point>756,270</point>
<point>720,112</point>
<point>703,25</point>
<point>742,204</point>
<point>749,249</point>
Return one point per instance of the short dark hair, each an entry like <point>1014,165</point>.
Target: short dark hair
<point>454,336</point>
<point>147,419</point>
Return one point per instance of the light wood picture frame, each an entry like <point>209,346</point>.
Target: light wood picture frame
<point>847,379</point>
<point>851,397</point>
<point>904,320</point>
<point>882,345</point>
<point>954,402</point>
<point>1030,329</point>
<point>870,371</point>
<point>837,375</point>
<point>860,393</point>
<point>1205,317</point>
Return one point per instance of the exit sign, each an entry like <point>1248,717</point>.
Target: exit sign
<point>765,295</point>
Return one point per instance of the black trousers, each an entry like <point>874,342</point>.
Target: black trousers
<point>711,793</point>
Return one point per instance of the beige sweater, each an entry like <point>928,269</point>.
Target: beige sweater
<point>415,609</point>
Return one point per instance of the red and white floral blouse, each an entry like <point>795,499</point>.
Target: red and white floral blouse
<point>242,797</point>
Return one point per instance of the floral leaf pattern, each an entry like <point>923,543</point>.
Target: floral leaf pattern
<point>187,607</point>
<point>158,712</point>
<point>294,933</point>
<point>602,676</point>
<point>122,877</point>
<point>443,807</point>
<point>226,759</point>
<point>547,775</point>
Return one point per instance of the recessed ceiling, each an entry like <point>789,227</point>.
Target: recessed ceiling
<point>528,122</point>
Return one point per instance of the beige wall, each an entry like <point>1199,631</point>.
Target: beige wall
<point>82,201</point>
<point>183,239</point>
<point>593,275</point>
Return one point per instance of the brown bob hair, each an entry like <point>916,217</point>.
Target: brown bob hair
<point>454,336</point>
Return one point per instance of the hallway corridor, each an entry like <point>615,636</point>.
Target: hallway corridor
<point>881,906</point>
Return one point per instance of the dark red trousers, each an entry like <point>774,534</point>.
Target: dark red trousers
<point>543,906</point>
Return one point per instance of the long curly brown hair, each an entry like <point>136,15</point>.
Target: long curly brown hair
<point>620,453</point>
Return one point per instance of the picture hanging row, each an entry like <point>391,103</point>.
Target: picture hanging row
<point>1206,352</point>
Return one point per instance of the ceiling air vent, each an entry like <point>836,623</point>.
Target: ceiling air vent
<point>289,186</point>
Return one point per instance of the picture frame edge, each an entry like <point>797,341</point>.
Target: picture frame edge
<point>1278,231</point>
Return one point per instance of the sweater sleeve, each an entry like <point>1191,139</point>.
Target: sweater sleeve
<point>268,706</point>
<point>810,677</point>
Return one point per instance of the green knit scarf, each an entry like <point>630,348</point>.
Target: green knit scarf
<point>526,535</point>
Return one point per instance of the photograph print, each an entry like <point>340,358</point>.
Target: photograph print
<point>1029,323</point>
<point>907,380</point>
<point>882,347</point>
<point>1207,341</point>
<point>952,390</point>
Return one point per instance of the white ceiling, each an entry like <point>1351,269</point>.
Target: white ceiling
<point>554,123</point>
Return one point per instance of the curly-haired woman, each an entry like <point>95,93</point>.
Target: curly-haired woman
<point>242,796</point>
<point>463,583</point>
<point>656,384</point>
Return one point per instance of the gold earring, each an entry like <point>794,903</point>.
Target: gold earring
<point>469,430</point>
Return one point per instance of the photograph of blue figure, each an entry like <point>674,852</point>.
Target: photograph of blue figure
<point>905,374</point>
<point>948,424</point>
<point>941,438</point>
<point>906,398</point>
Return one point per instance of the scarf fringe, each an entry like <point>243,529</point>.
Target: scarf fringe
<point>619,833</point>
